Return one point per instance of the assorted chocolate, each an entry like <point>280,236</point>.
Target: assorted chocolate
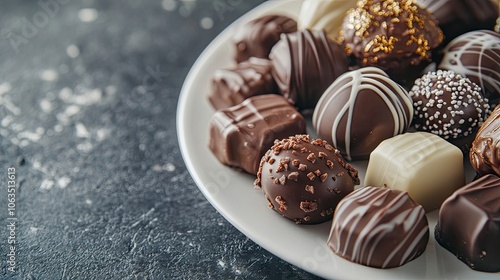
<point>485,151</point>
<point>361,109</point>
<point>305,64</point>
<point>233,85</point>
<point>379,227</point>
<point>303,179</point>
<point>257,37</point>
<point>469,224</point>
<point>351,63</point>
<point>241,135</point>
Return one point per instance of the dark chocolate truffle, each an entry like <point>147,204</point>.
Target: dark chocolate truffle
<point>361,109</point>
<point>305,64</point>
<point>304,179</point>
<point>257,37</point>
<point>469,224</point>
<point>485,151</point>
<point>390,34</point>
<point>457,17</point>
<point>448,105</point>
<point>476,55</point>
<point>379,227</point>
<point>241,135</point>
<point>233,85</point>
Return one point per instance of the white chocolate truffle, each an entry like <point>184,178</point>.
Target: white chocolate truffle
<point>423,164</point>
<point>326,15</point>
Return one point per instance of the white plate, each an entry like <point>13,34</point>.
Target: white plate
<point>233,195</point>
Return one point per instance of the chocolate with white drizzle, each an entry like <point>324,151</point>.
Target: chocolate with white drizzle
<point>361,109</point>
<point>476,55</point>
<point>379,227</point>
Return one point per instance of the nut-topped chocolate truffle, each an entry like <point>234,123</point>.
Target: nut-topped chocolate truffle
<point>305,64</point>
<point>469,224</point>
<point>476,55</point>
<point>304,179</point>
<point>379,227</point>
<point>257,37</point>
<point>485,151</point>
<point>448,105</point>
<point>233,85</point>
<point>361,109</point>
<point>390,34</point>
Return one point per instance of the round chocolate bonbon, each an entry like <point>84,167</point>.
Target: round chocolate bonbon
<point>379,227</point>
<point>361,109</point>
<point>484,154</point>
<point>304,179</point>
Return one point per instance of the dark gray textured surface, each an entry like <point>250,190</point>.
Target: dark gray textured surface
<point>87,119</point>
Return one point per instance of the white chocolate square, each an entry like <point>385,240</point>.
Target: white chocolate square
<point>423,164</point>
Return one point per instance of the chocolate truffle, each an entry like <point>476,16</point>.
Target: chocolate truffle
<point>484,154</point>
<point>233,85</point>
<point>305,64</point>
<point>423,164</point>
<point>241,135</point>
<point>448,105</point>
<point>361,109</point>
<point>476,55</point>
<point>469,224</point>
<point>304,179</point>
<point>379,227</point>
<point>257,37</point>
<point>457,17</point>
<point>390,34</point>
<point>323,15</point>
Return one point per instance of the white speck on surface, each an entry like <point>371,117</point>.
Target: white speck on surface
<point>88,97</point>
<point>47,184</point>
<point>102,134</point>
<point>84,147</point>
<point>58,128</point>
<point>17,127</point>
<point>6,121</point>
<point>5,88</point>
<point>31,136</point>
<point>206,23</point>
<point>49,75</point>
<point>81,131</point>
<point>88,201</point>
<point>168,167</point>
<point>111,90</point>
<point>221,263</point>
<point>72,110</point>
<point>37,165</point>
<point>87,15</point>
<point>46,106</point>
<point>7,104</point>
<point>169,5</point>
<point>63,182</point>
<point>65,93</point>
<point>142,147</point>
<point>34,229</point>
<point>73,51</point>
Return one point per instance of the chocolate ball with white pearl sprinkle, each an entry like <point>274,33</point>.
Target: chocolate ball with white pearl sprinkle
<point>448,105</point>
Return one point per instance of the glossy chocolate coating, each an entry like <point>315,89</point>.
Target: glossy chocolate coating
<point>361,109</point>
<point>484,154</point>
<point>379,227</point>
<point>304,179</point>
<point>469,224</point>
<point>241,135</point>
<point>448,105</point>
<point>476,55</point>
<point>249,78</point>
<point>257,37</point>
<point>457,17</point>
<point>392,35</point>
<point>305,64</point>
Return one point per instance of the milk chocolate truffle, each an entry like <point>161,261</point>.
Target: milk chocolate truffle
<point>469,224</point>
<point>379,227</point>
<point>241,135</point>
<point>304,179</point>
<point>390,34</point>
<point>361,109</point>
<point>457,17</point>
<point>305,64</point>
<point>476,55</point>
<point>448,105</point>
<point>233,85</point>
<point>423,164</point>
<point>485,151</point>
<point>257,37</point>
<point>323,15</point>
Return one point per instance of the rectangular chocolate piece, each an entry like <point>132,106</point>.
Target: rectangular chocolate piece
<point>240,135</point>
